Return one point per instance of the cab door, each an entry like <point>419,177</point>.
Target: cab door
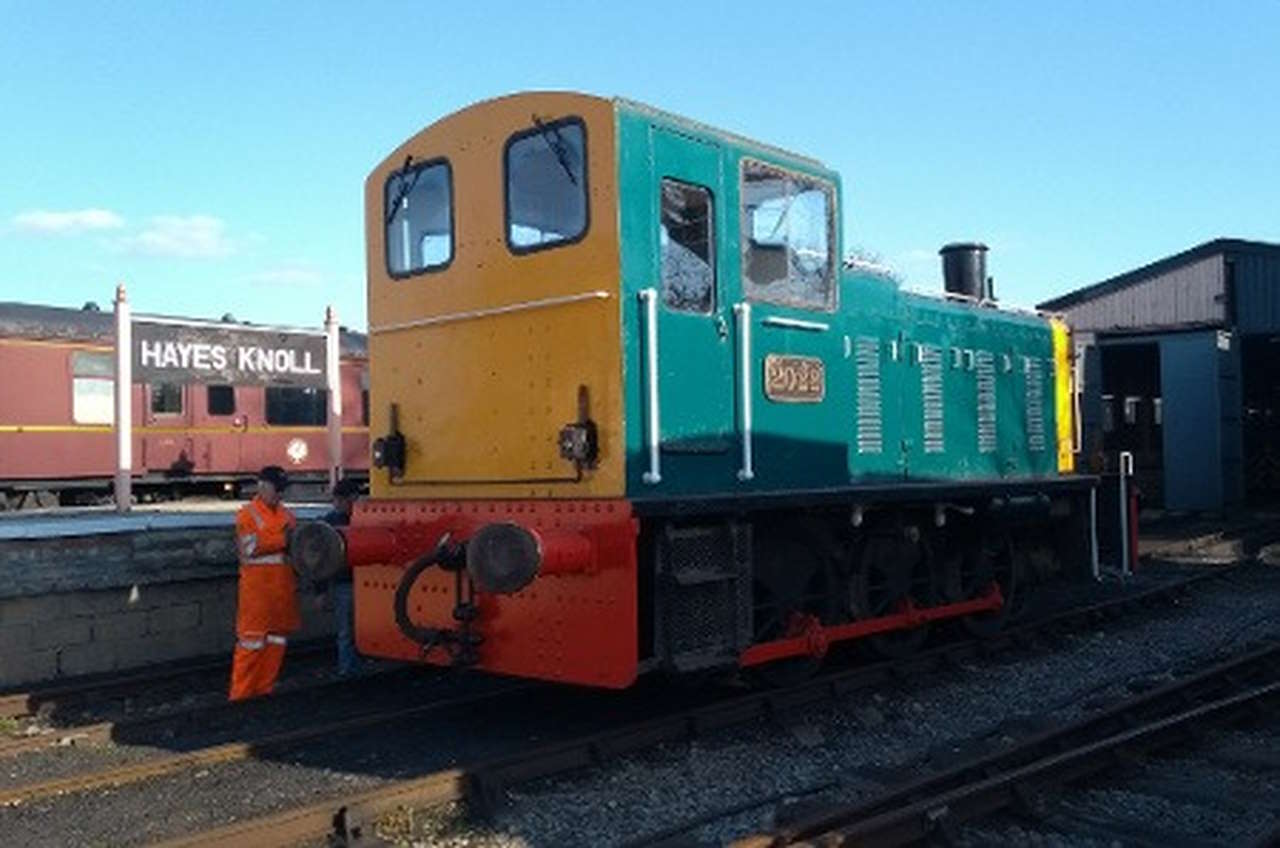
<point>695,365</point>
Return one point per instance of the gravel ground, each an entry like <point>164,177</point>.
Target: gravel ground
<point>328,767</point>
<point>876,739</point>
<point>859,744</point>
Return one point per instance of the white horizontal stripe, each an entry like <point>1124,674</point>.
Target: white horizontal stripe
<point>265,559</point>
<point>277,640</point>
<point>494,310</point>
<point>251,644</point>
<point>795,324</point>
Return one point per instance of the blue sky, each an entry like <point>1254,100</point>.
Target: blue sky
<point>212,155</point>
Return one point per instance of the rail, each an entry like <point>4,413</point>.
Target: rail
<point>929,806</point>
<point>483,784</point>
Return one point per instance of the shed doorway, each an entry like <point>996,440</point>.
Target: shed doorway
<point>1260,418</point>
<point>1132,413</point>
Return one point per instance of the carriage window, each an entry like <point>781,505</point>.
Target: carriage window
<point>418,203</point>
<point>787,234</point>
<point>166,398</point>
<point>686,238</point>
<point>222,400</point>
<point>295,407</point>
<point>546,196</point>
<point>92,388</point>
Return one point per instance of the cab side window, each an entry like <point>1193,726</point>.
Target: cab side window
<point>687,243</point>
<point>419,218</point>
<point>546,185</point>
<point>788,235</point>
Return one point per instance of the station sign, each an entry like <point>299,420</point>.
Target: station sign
<point>236,354</point>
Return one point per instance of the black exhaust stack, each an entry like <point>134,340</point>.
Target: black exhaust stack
<point>964,270</point>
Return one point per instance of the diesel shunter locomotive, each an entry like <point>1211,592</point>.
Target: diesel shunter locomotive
<point>632,412</point>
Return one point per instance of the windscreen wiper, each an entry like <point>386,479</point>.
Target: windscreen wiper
<point>405,188</point>
<point>551,135</point>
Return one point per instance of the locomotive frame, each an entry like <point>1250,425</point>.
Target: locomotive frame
<point>583,471</point>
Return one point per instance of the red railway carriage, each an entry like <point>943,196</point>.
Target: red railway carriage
<point>56,414</point>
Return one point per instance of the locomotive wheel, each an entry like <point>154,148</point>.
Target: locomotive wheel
<point>996,559</point>
<point>793,575</point>
<point>891,569</point>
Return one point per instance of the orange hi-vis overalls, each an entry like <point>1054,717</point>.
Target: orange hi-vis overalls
<point>267,604</point>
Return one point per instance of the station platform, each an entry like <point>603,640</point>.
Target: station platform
<point>90,591</point>
<point>96,521</point>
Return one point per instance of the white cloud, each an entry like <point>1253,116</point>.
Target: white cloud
<point>66,223</point>
<point>185,237</point>
<point>290,275</point>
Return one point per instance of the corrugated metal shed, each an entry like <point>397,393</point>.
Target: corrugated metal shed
<point>1199,308</point>
<point>1256,282</point>
<point>1215,284</point>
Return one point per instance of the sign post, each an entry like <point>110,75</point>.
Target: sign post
<point>333,381</point>
<point>155,348</point>
<point>124,403</point>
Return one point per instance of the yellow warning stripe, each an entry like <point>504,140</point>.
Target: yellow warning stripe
<point>107,428</point>
<point>1062,393</point>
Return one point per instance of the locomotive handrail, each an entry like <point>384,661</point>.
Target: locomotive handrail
<point>506,308</point>
<point>650,299</point>
<point>743,311</point>
<point>795,323</point>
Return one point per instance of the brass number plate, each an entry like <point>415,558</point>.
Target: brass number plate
<point>794,379</point>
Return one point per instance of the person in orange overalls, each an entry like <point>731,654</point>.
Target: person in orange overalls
<point>267,604</point>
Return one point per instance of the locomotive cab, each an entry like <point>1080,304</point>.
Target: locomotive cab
<point>493,299</point>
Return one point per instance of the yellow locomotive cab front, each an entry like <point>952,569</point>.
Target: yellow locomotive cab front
<point>496,324</point>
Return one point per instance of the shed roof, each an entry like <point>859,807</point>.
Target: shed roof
<point>1161,266</point>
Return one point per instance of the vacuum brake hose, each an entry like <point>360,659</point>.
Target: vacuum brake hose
<point>417,634</point>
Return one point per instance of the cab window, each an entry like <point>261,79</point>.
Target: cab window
<point>788,231</point>
<point>686,238</point>
<point>546,185</point>
<point>418,204</point>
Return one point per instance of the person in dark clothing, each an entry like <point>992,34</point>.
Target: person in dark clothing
<point>340,589</point>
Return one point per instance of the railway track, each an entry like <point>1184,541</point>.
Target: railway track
<point>138,727</point>
<point>483,784</point>
<point>229,752</point>
<point>62,696</point>
<point>933,806</point>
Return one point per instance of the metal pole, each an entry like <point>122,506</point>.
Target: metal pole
<point>1126,468</point>
<point>1093,533</point>
<point>333,382</point>
<point>124,402</point>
